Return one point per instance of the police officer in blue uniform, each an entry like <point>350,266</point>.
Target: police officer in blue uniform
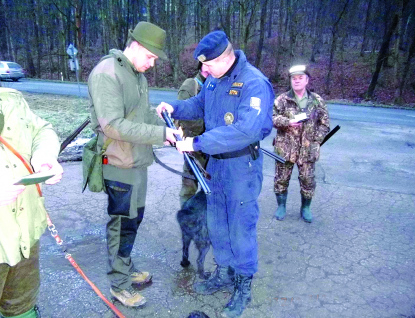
<point>236,104</point>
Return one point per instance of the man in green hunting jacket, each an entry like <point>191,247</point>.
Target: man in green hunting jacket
<point>302,120</point>
<point>22,210</point>
<point>120,110</point>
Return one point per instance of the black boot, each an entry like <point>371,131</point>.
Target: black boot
<point>222,278</point>
<point>282,201</point>
<point>305,210</point>
<point>241,297</point>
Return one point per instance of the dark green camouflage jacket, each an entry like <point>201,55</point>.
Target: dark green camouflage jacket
<point>300,144</point>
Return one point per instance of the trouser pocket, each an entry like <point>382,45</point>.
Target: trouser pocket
<point>119,197</point>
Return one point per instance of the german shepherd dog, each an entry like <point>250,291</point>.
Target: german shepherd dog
<point>193,223</point>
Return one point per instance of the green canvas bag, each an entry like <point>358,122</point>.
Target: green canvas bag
<point>92,165</point>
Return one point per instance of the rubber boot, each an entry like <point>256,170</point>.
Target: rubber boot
<point>32,313</point>
<point>305,209</point>
<point>241,297</point>
<point>281,200</point>
<point>222,278</point>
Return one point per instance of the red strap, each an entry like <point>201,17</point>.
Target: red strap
<point>17,154</point>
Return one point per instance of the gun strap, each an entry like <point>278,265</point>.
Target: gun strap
<point>184,175</point>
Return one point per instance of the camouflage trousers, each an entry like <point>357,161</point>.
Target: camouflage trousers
<point>190,186</point>
<point>305,176</point>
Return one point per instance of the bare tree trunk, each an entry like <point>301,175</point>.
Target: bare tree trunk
<point>8,35</point>
<point>105,33</point>
<point>264,4</point>
<point>205,26</point>
<point>278,45</point>
<point>382,56</point>
<point>271,18</point>
<point>225,11</point>
<point>33,7</point>
<point>406,68</point>
<point>405,36</point>
<point>364,40</point>
<point>397,44</point>
<point>333,48</point>
<point>342,83</point>
<point>292,28</point>
<point>243,11</point>
<point>62,57</point>
<point>198,20</point>
<point>78,32</point>
<point>30,66</point>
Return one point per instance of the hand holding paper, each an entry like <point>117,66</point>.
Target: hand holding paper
<point>299,118</point>
<point>50,165</point>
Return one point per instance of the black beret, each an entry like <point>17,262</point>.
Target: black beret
<point>211,46</point>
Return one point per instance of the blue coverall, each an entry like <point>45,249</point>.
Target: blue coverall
<point>232,208</point>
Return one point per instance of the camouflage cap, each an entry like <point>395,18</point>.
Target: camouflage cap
<point>152,37</point>
<point>298,70</point>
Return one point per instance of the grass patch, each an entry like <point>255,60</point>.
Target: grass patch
<point>65,113</point>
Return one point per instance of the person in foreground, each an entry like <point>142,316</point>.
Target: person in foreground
<point>302,120</point>
<point>22,210</point>
<point>236,104</point>
<point>120,110</point>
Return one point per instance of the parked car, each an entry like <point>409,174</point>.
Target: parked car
<point>10,70</point>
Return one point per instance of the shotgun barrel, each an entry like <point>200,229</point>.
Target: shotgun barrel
<point>188,159</point>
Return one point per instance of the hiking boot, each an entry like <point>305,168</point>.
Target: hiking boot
<point>129,297</point>
<point>305,209</point>
<point>241,297</point>
<point>222,278</point>
<point>140,278</point>
<point>281,200</point>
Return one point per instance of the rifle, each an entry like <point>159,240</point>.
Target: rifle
<point>282,160</point>
<point>72,136</point>
<point>189,160</point>
<point>330,134</point>
<point>273,155</point>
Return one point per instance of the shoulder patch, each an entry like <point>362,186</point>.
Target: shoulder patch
<point>255,103</point>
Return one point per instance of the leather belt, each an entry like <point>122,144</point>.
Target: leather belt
<point>249,150</point>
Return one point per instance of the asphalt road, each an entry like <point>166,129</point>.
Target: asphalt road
<point>356,259</point>
<point>73,89</point>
